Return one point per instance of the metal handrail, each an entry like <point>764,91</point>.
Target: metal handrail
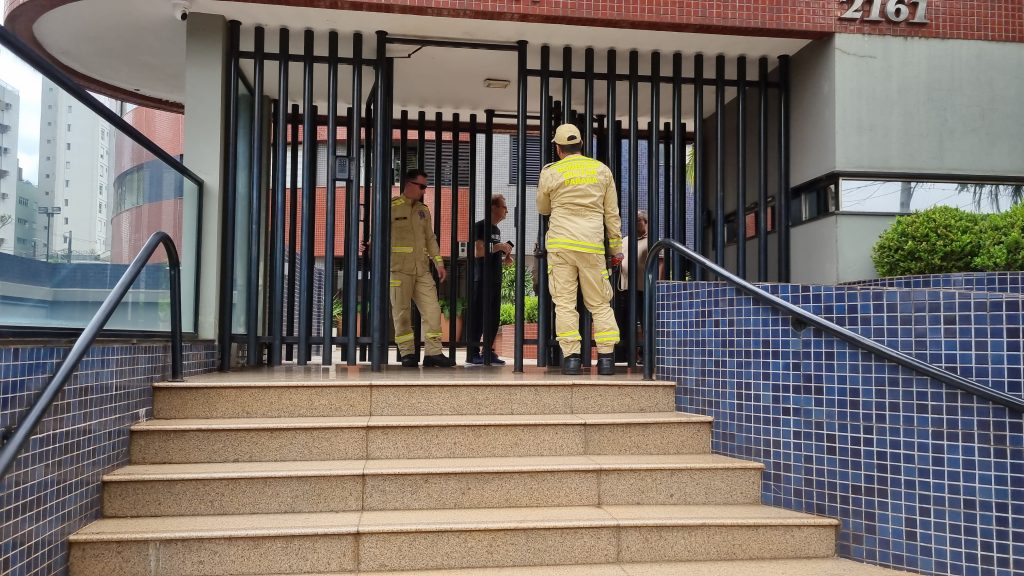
<point>945,376</point>
<point>24,428</point>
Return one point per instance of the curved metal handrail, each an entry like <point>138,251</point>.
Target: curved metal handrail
<point>650,279</point>
<point>24,428</point>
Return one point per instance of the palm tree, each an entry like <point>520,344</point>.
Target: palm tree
<point>994,193</point>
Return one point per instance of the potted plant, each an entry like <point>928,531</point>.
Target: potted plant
<point>460,307</point>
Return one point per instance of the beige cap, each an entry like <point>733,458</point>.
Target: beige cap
<point>567,134</point>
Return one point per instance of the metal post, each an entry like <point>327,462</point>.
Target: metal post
<point>522,81</point>
<point>293,226</point>
<point>280,185</point>
<point>453,272</point>
<point>227,254</point>
<point>566,84</point>
<point>489,270</point>
<point>654,139</point>
<point>634,196</point>
<point>352,200</point>
<point>308,199</point>
<point>782,200</point>
<point>380,248</point>
<point>472,288</point>
<point>678,165</point>
<point>541,259</point>
<point>719,160</point>
<point>254,354</point>
<point>370,152</point>
<point>741,167</point>
<point>762,170</point>
<point>698,161</point>
<point>669,220</point>
<point>327,354</point>
<point>587,319</point>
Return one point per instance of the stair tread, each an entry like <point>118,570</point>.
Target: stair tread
<point>306,524</point>
<point>809,567</point>
<point>215,380</point>
<point>407,421</point>
<point>234,470</point>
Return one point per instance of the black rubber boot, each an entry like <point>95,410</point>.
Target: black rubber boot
<point>571,365</point>
<point>606,364</point>
<point>438,360</point>
<point>410,361</point>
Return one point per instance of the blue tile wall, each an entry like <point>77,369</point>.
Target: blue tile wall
<point>1005,282</point>
<point>922,477</point>
<point>54,487</point>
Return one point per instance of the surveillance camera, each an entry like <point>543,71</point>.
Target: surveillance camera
<point>180,10</point>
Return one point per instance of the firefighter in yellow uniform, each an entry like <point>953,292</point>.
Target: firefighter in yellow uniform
<point>413,248</point>
<point>579,194</point>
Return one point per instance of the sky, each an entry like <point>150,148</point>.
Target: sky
<point>29,85</point>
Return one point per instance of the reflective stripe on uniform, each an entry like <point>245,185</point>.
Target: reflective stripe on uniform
<point>402,249</point>
<point>403,338</point>
<point>605,274</point>
<point>438,259</point>
<point>612,335</point>
<point>433,334</point>
<point>576,245</point>
<point>398,201</point>
<point>396,283</point>
<point>573,335</point>
<point>615,243</point>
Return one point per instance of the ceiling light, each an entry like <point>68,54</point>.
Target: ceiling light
<point>495,83</point>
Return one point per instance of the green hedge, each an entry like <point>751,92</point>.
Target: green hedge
<point>508,311</point>
<point>944,240</point>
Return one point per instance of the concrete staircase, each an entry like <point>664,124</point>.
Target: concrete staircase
<point>515,477</point>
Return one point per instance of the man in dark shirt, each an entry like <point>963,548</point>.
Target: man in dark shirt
<point>487,299</point>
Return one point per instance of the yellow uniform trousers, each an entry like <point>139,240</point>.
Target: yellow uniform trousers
<point>567,270</point>
<point>420,288</point>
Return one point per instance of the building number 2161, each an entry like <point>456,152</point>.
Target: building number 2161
<point>895,11</point>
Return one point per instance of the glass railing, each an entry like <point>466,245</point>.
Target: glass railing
<point>80,193</point>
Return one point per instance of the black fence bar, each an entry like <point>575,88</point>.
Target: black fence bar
<point>278,219</point>
<point>586,318</point>
<point>453,250</point>
<point>678,231</point>
<point>293,225</point>
<point>417,321</point>
<point>421,139</point>
<point>669,203</point>
<point>633,201</point>
<point>367,297</point>
<point>783,199</point>
<point>720,160</point>
<point>522,85</point>
<point>488,271</point>
<point>227,254</point>
<point>541,255</point>
<point>253,350</point>
<point>353,192</point>
<point>438,180</point>
<point>472,294</point>
<point>641,78</point>
<point>741,168</point>
<point>566,84</point>
<point>308,199</point>
<point>327,355</point>
<point>379,266</point>
<point>762,170</point>
<point>699,211</point>
<point>654,140</point>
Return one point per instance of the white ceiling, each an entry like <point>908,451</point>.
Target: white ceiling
<point>139,46</point>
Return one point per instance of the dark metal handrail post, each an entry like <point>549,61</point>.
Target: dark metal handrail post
<point>27,425</point>
<point>650,280</point>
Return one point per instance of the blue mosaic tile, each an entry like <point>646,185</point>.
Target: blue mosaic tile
<point>921,477</point>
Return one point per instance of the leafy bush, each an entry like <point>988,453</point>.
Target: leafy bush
<point>507,315</point>
<point>935,241</point>
<point>1002,241</point>
<point>460,306</point>
<point>508,283</point>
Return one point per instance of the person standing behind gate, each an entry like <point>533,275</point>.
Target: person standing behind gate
<point>413,248</point>
<point>579,194</point>
<point>488,288</point>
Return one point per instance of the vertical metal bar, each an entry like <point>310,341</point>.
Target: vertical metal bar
<point>489,270</point>
<point>453,272</point>
<point>543,296</point>
<point>762,170</point>
<point>227,255</point>
<point>566,84</point>
<point>522,81</point>
<point>587,319</point>
<point>404,167</point>
<point>613,145</point>
<point>782,200</point>
<point>252,301</point>
<point>471,287</point>
<point>308,197</point>
<point>634,196</point>
<point>352,200</point>
<point>421,138</point>
<point>698,162</point>
<point>438,180</point>
<point>720,160</point>
<point>666,190</point>
<point>332,191</point>
<point>293,225</point>
<point>741,167</point>
<point>368,210</point>
<point>653,201</point>
<point>381,247</point>
<point>678,165</point>
<point>280,185</point>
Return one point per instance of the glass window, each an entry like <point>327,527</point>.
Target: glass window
<point>900,197</point>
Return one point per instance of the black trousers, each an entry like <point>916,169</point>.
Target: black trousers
<point>622,319</point>
<point>486,304</point>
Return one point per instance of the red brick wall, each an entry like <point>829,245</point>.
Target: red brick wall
<point>166,129</point>
<point>130,229</point>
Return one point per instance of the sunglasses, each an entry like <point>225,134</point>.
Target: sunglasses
<point>421,186</point>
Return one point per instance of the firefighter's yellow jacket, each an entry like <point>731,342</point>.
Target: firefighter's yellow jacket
<point>412,237</point>
<point>579,194</point>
